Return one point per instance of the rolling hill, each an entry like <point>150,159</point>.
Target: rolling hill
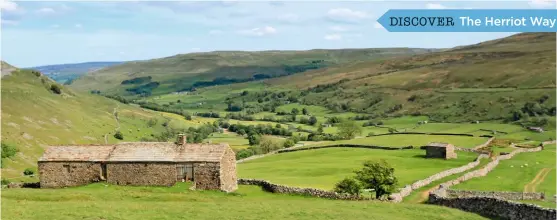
<point>195,70</point>
<point>510,79</point>
<point>65,73</point>
<point>37,111</point>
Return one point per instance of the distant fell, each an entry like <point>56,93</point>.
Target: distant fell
<point>65,73</point>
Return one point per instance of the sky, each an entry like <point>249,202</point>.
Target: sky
<point>35,33</point>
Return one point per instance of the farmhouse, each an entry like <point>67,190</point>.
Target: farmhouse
<point>440,150</point>
<point>209,166</point>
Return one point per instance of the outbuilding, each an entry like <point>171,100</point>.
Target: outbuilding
<point>209,166</point>
<point>440,150</point>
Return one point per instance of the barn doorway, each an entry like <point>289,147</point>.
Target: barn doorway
<point>103,171</point>
<point>184,172</point>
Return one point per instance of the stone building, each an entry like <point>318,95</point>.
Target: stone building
<point>440,150</point>
<point>209,166</point>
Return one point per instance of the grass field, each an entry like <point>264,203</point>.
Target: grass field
<point>416,140</point>
<point>121,203</point>
<point>322,168</point>
<point>515,175</point>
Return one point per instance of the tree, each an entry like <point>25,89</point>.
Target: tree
<point>378,176</point>
<point>56,89</point>
<point>305,111</point>
<point>254,139</point>
<point>118,135</point>
<point>288,143</point>
<point>348,129</point>
<point>320,129</point>
<point>268,144</point>
<point>392,130</point>
<point>312,120</point>
<point>295,111</point>
<point>348,185</point>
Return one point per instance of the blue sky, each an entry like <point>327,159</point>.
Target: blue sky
<point>40,33</point>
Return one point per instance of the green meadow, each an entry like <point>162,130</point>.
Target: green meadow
<point>99,201</point>
<point>322,168</point>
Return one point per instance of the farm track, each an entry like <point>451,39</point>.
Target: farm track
<point>531,186</point>
<point>115,113</point>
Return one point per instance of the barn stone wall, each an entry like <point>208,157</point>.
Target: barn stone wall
<point>228,179</point>
<point>440,152</point>
<point>64,174</point>
<point>207,176</point>
<point>141,173</point>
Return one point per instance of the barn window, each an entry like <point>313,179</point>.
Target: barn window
<point>67,167</point>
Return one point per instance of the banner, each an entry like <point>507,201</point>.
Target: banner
<point>469,20</point>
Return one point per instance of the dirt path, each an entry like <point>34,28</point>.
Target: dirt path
<point>115,113</point>
<point>424,195</point>
<point>531,186</point>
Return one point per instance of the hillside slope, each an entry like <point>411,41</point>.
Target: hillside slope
<point>486,81</point>
<point>35,114</point>
<point>6,68</point>
<point>65,73</point>
<point>189,71</point>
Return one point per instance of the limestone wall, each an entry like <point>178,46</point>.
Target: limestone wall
<point>147,173</point>
<point>403,192</point>
<point>64,174</point>
<point>492,207</point>
<point>345,145</point>
<point>207,176</point>
<point>495,194</point>
<point>484,144</point>
<point>228,179</point>
<point>275,188</point>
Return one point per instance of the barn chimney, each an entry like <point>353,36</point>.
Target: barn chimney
<point>181,139</point>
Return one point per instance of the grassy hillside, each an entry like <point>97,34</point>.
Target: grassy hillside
<point>195,70</point>
<point>35,114</point>
<point>65,73</point>
<point>6,68</point>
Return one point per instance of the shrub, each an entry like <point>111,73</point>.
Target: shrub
<point>349,129</point>
<point>348,185</point>
<point>288,143</point>
<point>118,135</point>
<point>7,152</point>
<point>5,182</point>
<point>28,172</point>
<point>56,88</point>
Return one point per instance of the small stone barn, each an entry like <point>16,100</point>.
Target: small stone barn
<point>440,150</point>
<point>209,166</point>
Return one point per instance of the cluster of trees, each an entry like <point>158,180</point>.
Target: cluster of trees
<point>372,123</point>
<point>378,176</point>
<point>259,129</point>
<point>8,151</point>
<point>308,121</point>
<point>143,90</point>
<point>208,114</point>
<point>137,80</point>
<point>262,144</point>
<point>118,135</point>
<point>240,116</point>
<point>533,113</point>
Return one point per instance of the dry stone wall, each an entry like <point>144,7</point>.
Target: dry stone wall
<point>275,188</point>
<point>403,192</point>
<point>492,207</point>
<point>147,174</point>
<point>495,194</point>
<point>346,145</point>
<point>64,174</point>
<point>206,176</point>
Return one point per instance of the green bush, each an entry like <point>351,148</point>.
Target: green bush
<point>118,135</point>
<point>56,88</point>
<point>348,185</point>
<point>28,172</point>
<point>7,152</point>
<point>5,182</point>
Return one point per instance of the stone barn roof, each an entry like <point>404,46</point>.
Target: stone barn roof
<point>137,152</point>
<point>437,144</point>
<point>77,153</point>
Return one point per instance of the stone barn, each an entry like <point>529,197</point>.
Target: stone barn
<point>209,166</point>
<point>440,150</point>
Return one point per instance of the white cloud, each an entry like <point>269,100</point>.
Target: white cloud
<point>7,5</point>
<point>55,26</point>
<point>435,6</point>
<point>78,26</point>
<point>338,28</point>
<point>541,3</point>
<point>289,18</point>
<point>333,37</point>
<point>267,30</point>
<point>46,11</point>
<point>378,26</point>
<point>215,32</point>
<point>346,15</point>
